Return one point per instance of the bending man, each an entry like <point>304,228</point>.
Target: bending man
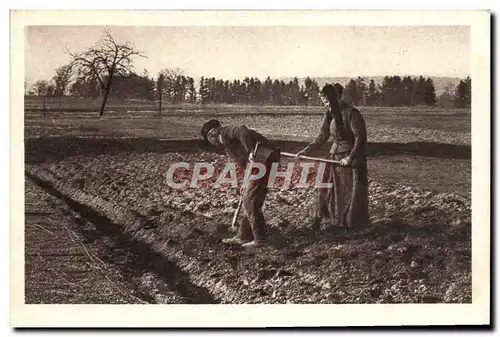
<point>238,142</point>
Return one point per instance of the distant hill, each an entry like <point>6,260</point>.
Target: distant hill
<point>440,83</point>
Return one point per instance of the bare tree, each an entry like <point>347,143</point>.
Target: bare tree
<point>170,78</point>
<point>51,89</point>
<point>40,87</point>
<point>104,61</point>
<point>446,99</point>
<point>61,80</point>
<point>160,85</point>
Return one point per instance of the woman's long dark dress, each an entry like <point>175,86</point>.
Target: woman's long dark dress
<point>346,203</point>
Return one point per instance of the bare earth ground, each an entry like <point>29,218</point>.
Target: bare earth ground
<point>416,250</point>
<point>70,259</point>
<point>61,265</point>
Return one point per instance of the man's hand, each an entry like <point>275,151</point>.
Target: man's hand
<point>346,161</point>
<point>251,156</point>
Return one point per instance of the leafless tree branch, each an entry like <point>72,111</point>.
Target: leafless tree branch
<point>105,60</point>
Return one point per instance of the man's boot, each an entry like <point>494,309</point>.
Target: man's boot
<point>235,241</point>
<point>254,244</point>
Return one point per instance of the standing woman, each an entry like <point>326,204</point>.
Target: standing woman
<point>346,203</point>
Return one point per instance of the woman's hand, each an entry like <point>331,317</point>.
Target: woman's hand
<point>251,157</point>
<point>346,161</point>
<point>303,152</point>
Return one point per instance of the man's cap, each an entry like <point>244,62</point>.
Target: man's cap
<point>213,123</point>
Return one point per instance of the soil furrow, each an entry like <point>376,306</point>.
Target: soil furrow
<point>148,260</point>
<point>60,267</point>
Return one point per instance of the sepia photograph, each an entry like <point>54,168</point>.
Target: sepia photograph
<point>252,158</point>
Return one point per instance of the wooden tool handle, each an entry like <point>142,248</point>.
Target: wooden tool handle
<point>235,216</point>
<point>287,154</point>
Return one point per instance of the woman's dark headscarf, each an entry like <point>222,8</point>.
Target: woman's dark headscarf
<point>334,95</point>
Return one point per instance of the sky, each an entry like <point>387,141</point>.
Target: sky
<point>261,51</point>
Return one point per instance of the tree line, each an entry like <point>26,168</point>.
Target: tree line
<point>393,91</point>
<point>251,90</point>
<point>107,70</point>
<point>171,86</point>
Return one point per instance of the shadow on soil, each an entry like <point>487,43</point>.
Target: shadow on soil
<point>383,232</point>
<point>146,258</point>
<point>58,148</point>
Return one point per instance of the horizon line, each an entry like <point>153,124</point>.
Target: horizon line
<point>303,77</point>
